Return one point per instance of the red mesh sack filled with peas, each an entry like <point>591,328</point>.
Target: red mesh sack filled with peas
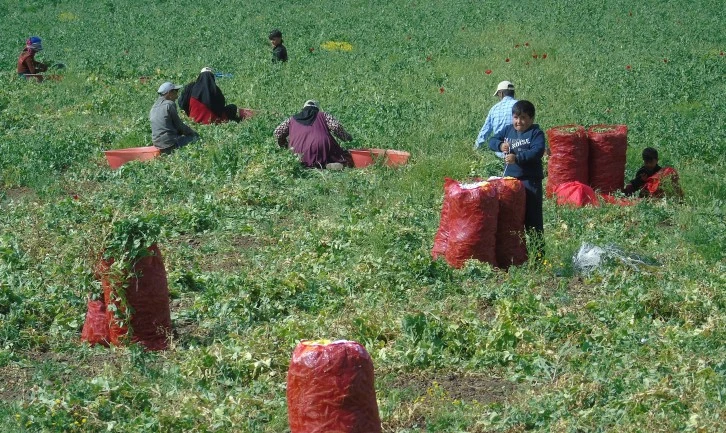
<point>330,388</point>
<point>608,147</point>
<point>569,153</point>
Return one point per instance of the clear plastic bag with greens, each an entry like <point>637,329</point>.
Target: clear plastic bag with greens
<point>592,257</point>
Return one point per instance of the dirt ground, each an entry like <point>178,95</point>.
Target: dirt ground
<point>467,387</point>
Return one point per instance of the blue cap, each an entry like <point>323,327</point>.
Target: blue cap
<point>34,43</point>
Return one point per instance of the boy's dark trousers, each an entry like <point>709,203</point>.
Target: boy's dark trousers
<point>533,220</point>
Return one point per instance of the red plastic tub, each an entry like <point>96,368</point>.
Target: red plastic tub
<point>117,158</point>
<point>366,157</point>
<point>396,157</point>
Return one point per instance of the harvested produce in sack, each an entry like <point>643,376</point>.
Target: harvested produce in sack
<point>330,388</point>
<point>146,293</point>
<point>569,152</point>
<point>618,201</point>
<point>608,147</point>
<point>511,245</point>
<point>664,183</point>
<point>441,240</point>
<point>95,328</point>
<point>471,225</point>
<point>576,194</point>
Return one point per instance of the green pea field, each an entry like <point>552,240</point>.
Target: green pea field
<point>261,253</point>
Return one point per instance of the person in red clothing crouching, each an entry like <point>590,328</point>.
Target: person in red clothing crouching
<point>203,101</point>
<point>310,134</point>
<point>27,65</point>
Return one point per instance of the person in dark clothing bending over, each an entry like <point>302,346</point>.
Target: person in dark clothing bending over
<point>649,168</point>
<point>203,101</point>
<point>523,144</point>
<point>279,52</point>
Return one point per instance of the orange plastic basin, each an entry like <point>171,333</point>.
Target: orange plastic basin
<point>396,157</point>
<point>117,158</point>
<point>366,157</point>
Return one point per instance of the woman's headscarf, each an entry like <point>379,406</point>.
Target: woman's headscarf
<point>308,113</point>
<point>205,90</point>
<point>34,43</point>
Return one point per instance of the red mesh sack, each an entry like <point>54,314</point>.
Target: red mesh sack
<point>330,388</point>
<point>472,222</point>
<point>569,152</point>
<point>147,294</point>
<point>95,328</point>
<point>576,194</point>
<point>663,183</point>
<point>441,240</point>
<point>618,201</point>
<point>511,245</point>
<point>608,146</point>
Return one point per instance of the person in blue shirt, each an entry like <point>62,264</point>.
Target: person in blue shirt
<point>523,144</point>
<point>500,115</point>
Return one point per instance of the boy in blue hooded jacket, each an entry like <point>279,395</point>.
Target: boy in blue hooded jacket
<point>523,143</point>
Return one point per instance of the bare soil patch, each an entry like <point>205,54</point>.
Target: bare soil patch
<point>17,381</point>
<point>20,193</point>
<point>468,387</point>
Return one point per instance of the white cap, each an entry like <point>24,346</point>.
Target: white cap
<point>207,69</point>
<point>311,103</point>
<point>167,87</point>
<point>504,85</point>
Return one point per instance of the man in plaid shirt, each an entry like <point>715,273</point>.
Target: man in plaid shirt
<point>499,116</point>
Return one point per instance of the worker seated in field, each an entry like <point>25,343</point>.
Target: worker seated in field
<point>310,135</point>
<point>648,181</point>
<point>27,65</point>
<point>168,132</point>
<point>203,101</point>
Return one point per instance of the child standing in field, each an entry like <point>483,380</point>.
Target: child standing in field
<point>279,52</point>
<point>523,144</point>
<point>27,65</point>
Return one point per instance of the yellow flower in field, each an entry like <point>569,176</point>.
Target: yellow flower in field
<point>337,46</point>
<point>67,16</point>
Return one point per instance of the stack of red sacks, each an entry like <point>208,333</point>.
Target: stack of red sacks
<point>585,162</point>
<point>482,220</point>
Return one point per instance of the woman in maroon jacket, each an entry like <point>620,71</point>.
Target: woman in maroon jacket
<point>310,135</point>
